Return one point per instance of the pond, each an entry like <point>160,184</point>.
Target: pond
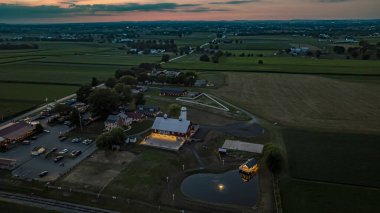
<point>225,188</point>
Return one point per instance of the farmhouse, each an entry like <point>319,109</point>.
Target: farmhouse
<point>118,120</point>
<point>250,167</point>
<point>16,131</point>
<point>136,116</point>
<point>150,111</point>
<point>173,91</point>
<point>170,133</point>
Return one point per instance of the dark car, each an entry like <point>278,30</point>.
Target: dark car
<point>63,138</point>
<point>76,153</point>
<point>33,138</point>
<point>43,174</point>
<point>58,158</point>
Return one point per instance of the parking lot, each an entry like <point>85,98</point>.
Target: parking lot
<point>29,166</point>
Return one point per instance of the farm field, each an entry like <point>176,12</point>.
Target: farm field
<point>14,98</point>
<point>323,197</point>
<point>313,156</point>
<point>305,101</point>
<point>54,73</point>
<point>13,207</point>
<point>284,64</point>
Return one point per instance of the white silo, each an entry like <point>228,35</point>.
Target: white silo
<point>183,115</point>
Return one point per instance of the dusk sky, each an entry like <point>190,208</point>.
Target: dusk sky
<point>51,11</point>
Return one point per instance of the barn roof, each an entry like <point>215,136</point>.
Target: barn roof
<point>171,125</point>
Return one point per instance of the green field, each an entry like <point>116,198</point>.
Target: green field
<point>145,176</point>
<point>313,197</point>
<point>280,64</point>
<point>15,98</point>
<point>334,157</point>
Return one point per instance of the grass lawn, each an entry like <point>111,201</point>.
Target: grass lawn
<point>15,208</point>
<point>145,177</point>
<point>140,127</point>
<point>312,197</point>
<point>334,157</point>
<point>15,98</point>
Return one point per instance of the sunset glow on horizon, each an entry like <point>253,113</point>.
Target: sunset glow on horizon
<point>51,11</point>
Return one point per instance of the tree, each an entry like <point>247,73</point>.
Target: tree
<point>260,62</point>
<point>39,129</point>
<point>339,49</point>
<point>174,110</point>
<point>124,92</point>
<point>75,117</point>
<point>215,59</point>
<point>318,53</point>
<point>204,58</point>
<point>128,80</point>
<point>110,82</point>
<point>94,82</point>
<point>139,99</point>
<point>273,158</point>
<point>83,92</point>
<point>62,109</point>
<point>121,73</point>
<point>165,58</point>
<point>115,137</point>
<point>103,101</point>
<point>118,136</point>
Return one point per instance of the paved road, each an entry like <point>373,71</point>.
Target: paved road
<point>49,203</point>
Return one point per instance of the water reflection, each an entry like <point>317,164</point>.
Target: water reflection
<point>227,188</point>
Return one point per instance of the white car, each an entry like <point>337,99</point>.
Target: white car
<point>64,151</point>
<point>47,131</point>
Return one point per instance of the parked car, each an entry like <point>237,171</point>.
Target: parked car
<point>64,151</point>
<point>43,174</point>
<point>58,158</point>
<point>68,123</point>
<point>87,142</point>
<point>26,142</point>
<point>33,138</point>
<point>46,130</point>
<point>75,140</point>
<point>63,138</point>
<point>53,149</point>
<point>76,153</point>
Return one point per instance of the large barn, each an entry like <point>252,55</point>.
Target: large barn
<point>170,133</point>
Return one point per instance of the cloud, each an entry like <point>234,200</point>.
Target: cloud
<point>17,11</point>
<point>234,2</point>
<point>204,10</point>
<point>333,1</point>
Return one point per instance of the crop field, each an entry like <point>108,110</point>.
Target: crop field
<point>280,64</point>
<point>14,98</point>
<point>315,197</point>
<point>333,157</point>
<point>55,73</point>
<point>304,101</point>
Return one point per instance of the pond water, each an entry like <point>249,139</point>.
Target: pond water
<point>226,188</point>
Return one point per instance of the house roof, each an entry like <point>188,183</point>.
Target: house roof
<point>171,125</point>
<point>112,119</point>
<point>134,115</point>
<point>173,90</point>
<point>16,130</point>
<point>147,108</point>
<point>115,118</point>
<point>251,163</point>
